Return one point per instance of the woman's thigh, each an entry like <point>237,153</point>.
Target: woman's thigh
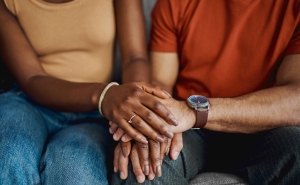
<point>23,133</point>
<point>77,154</point>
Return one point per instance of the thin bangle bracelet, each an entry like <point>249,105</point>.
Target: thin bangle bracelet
<point>103,94</point>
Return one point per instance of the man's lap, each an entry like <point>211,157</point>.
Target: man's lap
<point>259,158</point>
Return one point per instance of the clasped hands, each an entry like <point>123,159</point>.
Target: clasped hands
<point>152,132</point>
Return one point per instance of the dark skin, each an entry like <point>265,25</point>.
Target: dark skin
<point>62,95</point>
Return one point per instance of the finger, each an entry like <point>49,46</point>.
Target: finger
<point>126,138</point>
<point>116,158</point>
<point>168,146</point>
<point>156,90</point>
<point>139,124</point>
<point>133,133</point>
<point>143,152</point>
<point>163,147</point>
<point>150,115</point>
<point>176,146</point>
<point>126,148</point>
<point>151,175</point>
<point>155,157</point>
<point>123,165</point>
<point>155,105</point>
<point>136,167</point>
<point>113,127</point>
<point>118,134</point>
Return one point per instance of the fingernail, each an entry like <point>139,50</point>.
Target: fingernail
<point>115,169</point>
<point>122,175</point>
<point>109,122</point>
<point>115,137</point>
<point>124,151</point>
<point>169,134</point>
<point>175,154</point>
<point>146,170</point>
<point>144,141</point>
<point>140,179</point>
<point>110,130</point>
<point>167,151</point>
<point>175,122</point>
<point>158,171</point>
<point>160,139</point>
<point>151,176</point>
<point>168,94</point>
<point>123,138</point>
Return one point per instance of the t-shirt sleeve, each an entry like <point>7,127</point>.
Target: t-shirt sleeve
<point>294,44</point>
<point>164,27</point>
<point>10,6</point>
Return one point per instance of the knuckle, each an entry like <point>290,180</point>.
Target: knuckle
<point>166,140</point>
<point>145,160</point>
<point>157,105</point>
<point>136,92</point>
<point>157,160</point>
<point>127,100</point>
<point>143,147</point>
<point>138,124</point>
<point>168,114</point>
<point>155,144</point>
<point>149,116</point>
<point>163,128</point>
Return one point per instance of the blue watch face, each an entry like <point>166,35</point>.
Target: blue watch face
<point>198,99</point>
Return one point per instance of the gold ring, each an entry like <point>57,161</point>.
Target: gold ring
<point>130,120</point>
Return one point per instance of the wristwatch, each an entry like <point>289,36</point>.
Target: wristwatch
<point>201,105</point>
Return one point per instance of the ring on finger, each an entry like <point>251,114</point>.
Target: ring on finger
<point>130,120</point>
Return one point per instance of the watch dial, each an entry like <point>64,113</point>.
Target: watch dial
<point>198,99</point>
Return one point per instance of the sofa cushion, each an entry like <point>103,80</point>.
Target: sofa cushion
<point>214,178</point>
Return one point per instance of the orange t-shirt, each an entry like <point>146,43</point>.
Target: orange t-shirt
<point>226,48</point>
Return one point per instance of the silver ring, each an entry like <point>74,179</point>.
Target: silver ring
<point>130,120</point>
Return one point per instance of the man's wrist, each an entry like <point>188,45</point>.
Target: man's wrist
<point>191,116</point>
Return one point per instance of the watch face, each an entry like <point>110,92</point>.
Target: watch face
<point>198,101</point>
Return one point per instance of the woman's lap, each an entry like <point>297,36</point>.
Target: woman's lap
<point>29,132</point>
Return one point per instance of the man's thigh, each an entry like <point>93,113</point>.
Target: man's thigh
<point>270,157</point>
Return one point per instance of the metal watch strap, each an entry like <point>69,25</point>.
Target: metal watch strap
<point>201,118</point>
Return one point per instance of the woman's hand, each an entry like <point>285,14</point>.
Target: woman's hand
<point>135,102</point>
<point>185,115</point>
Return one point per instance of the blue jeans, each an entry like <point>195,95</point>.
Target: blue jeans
<point>265,158</point>
<point>41,146</point>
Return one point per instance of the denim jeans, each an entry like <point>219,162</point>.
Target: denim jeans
<point>270,157</point>
<point>41,146</point>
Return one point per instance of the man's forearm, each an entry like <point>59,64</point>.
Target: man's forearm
<point>258,111</point>
<point>254,112</point>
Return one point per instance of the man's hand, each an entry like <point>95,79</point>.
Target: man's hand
<point>152,118</point>
<point>146,158</point>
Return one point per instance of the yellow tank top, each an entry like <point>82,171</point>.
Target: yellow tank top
<point>73,40</point>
